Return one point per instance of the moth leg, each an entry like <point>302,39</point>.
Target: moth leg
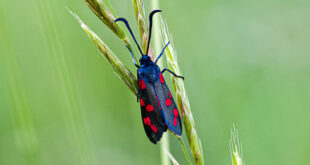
<point>133,58</point>
<point>175,75</point>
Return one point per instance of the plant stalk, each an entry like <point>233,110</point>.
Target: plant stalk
<point>184,150</point>
<point>157,46</point>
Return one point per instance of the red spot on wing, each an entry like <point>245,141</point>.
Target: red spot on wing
<point>168,102</point>
<point>175,121</point>
<point>142,103</point>
<point>158,103</point>
<point>170,95</point>
<point>176,114</point>
<point>147,121</point>
<point>142,84</point>
<point>161,78</point>
<point>149,108</point>
<point>154,128</point>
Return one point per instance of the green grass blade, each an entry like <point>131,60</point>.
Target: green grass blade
<point>121,70</point>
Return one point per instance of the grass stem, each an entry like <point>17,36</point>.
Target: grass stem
<point>157,46</point>
<point>184,150</point>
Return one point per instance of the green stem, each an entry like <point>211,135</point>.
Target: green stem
<point>157,44</point>
<point>164,145</point>
<point>184,150</point>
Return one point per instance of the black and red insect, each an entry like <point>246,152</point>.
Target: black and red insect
<point>158,108</point>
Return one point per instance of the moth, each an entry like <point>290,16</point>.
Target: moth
<point>158,109</point>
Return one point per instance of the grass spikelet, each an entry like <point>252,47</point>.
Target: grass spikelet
<point>107,15</point>
<point>104,13</point>
<point>121,70</point>
<point>236,148</point>
<point>142,25</point>
<point>182,99</point>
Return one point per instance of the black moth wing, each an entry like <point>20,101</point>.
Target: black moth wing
<point>169,108</point>
<point>153,122</point>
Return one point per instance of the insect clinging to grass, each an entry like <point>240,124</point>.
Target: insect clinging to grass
<point>158,108</point>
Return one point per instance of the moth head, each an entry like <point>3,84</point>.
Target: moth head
<point>144,60</point>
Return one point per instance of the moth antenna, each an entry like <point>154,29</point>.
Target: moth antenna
<point>150,29</point>
<point>162,52</point>
<point>128,27</point>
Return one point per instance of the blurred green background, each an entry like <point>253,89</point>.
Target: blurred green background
<point>245,62</point>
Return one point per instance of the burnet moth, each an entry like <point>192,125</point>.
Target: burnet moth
<point>158,108</point>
